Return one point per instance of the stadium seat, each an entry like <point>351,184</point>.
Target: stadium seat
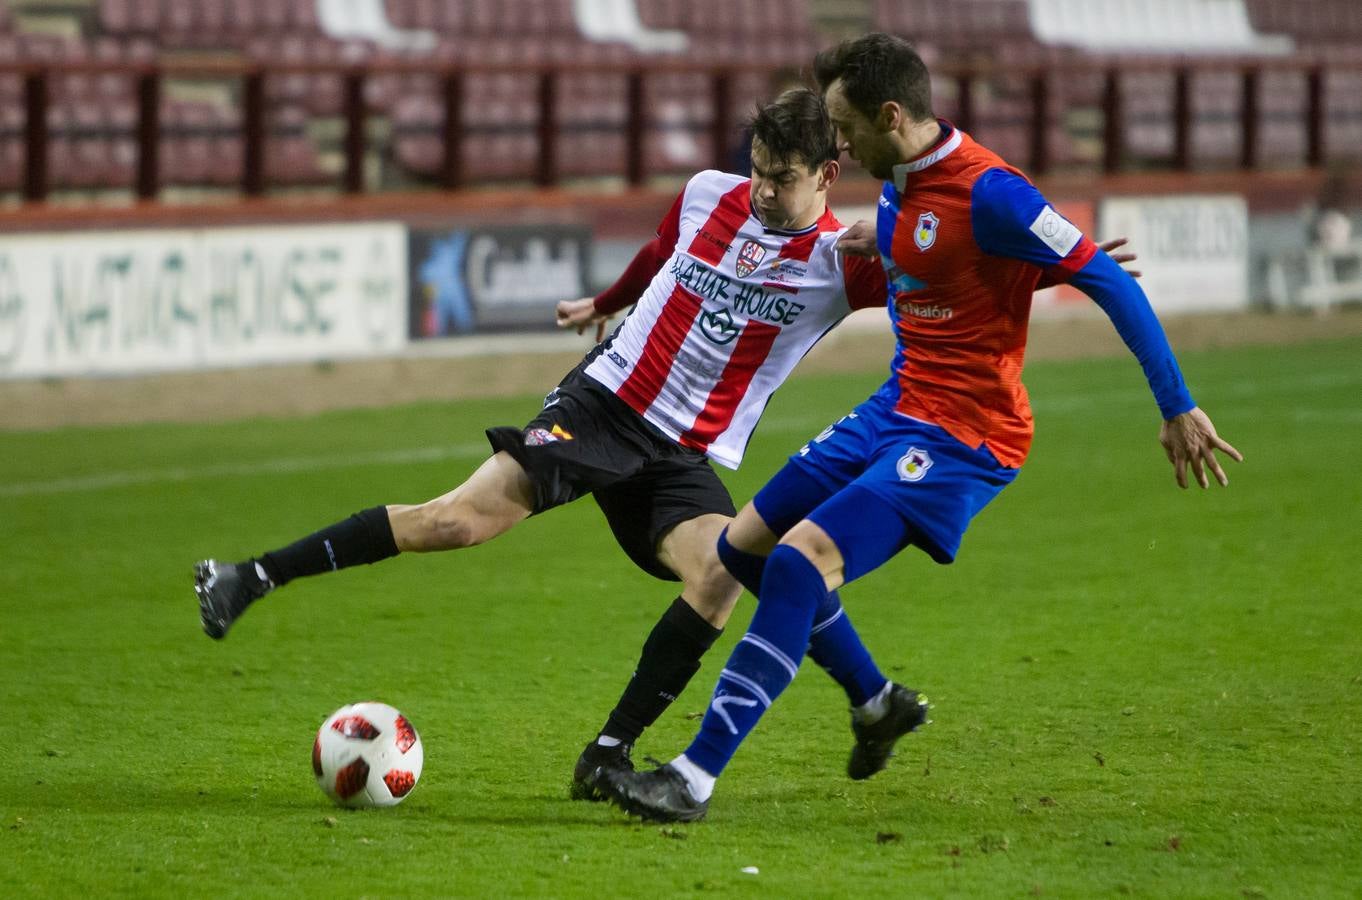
<point>605,21</point>
<point>963,24</point>
<point>500,113</point>
<point>1158,26</point>
<point>366,20</point>
<point>115,16</point>
<point>1315,22</point>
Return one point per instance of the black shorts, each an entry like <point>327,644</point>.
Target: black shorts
<point>588,441</point>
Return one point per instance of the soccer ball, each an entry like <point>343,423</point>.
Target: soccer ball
<point>367,754</point>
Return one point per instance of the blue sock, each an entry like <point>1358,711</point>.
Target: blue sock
<point>765,660</point>
<point>744,566</point>
<point>835,645</point>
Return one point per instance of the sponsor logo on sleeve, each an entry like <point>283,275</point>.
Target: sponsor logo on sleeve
<point>1055,231</point>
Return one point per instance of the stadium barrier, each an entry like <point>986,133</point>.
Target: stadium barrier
<point>136,301</point>
<point>139,301</point>
<point>1315,278</point>
<point>1038,156</point>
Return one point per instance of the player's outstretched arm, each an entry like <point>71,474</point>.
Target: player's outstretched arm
<point>622,294</point>
<point>581,313</point>
<point>1012,219</point>
<point>1190,440</point>
<point>859,240</point>
<point>1048,278</point>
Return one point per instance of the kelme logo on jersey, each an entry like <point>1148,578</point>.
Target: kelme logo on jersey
<point>925,233</point>
<point>914,464</point>
<point>718,326</point>
<point>749,257</point>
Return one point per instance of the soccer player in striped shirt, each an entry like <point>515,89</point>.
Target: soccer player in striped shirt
<point>964,239</point>
<point>741,280</point>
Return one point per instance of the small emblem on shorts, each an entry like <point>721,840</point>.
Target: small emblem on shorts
<point>749,257</point>
<point>925,233</point>
<point>914,464</point>
<point>538,437</point>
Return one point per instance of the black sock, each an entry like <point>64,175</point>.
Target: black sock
<point>671,656</point>
<point>365,537</point>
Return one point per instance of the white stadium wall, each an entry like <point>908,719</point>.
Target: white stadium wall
<point>1193,248</point>
<point>125,302</point>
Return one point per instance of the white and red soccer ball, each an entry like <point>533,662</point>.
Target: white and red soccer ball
<point>367,754</point>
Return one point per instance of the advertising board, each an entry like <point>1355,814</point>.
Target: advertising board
<point>125,302</point>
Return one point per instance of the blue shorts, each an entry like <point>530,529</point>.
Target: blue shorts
<point>875,463</point>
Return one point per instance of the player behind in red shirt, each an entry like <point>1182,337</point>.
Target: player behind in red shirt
<point>964,239</point>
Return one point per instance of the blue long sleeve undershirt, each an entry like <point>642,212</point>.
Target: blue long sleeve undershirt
<point>1124,302</point>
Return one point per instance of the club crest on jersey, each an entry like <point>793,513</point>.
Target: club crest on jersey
<point>749,257</point>
<point>718,326</point>
<point>925,233</point>
<point>914,464</point>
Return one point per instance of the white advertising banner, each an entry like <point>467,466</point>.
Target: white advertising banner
<point>1193,249</point>
<point>121,302</point>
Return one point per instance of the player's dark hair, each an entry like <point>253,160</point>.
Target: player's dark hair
<point>875,69</point>
<point>795,127</point>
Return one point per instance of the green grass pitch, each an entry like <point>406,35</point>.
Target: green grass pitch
<point>1137,690</point>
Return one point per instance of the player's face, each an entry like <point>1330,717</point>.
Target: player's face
<point>860,137</point>
<point>787,195</point>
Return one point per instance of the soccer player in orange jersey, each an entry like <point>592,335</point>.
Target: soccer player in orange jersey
<point>964,239</point>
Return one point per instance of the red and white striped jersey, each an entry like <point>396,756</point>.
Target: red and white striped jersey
<point>728,316</point>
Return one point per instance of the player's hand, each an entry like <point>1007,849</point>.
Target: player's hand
<point>859,240</point>
<point>1190,441</point>
<point>1121,258</point>
<point>579,314</point>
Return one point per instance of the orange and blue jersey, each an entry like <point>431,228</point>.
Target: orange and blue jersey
<point>964,239</point>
